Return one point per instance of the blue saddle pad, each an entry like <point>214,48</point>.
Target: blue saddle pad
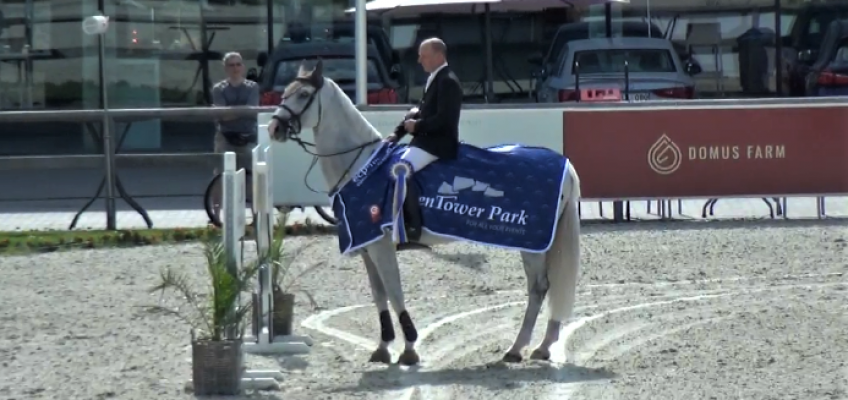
<point>505,196</point>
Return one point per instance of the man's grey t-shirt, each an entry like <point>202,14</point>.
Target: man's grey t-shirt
<point>245,94</point>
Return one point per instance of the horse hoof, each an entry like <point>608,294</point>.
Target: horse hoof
<point>512,358</point>
<point>540,354</point>
<point>381,356</point>
<point>409,358</point>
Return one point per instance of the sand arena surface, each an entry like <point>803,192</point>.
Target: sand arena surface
<point>723,310</point>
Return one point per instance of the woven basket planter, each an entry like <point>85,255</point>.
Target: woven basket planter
<point>216,367</point>
<point>283,312</point>
<point>283,318</point>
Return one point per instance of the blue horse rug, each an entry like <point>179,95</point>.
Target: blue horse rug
<point>505,196</point>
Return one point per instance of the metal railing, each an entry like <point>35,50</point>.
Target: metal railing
<point>110,146</point>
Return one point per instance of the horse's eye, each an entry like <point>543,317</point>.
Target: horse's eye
<point>304,95</point>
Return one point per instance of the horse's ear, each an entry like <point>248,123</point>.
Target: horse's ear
<point>302,70</point>
<point>318,73</point>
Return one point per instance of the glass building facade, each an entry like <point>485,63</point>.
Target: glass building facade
<point>167,53</point>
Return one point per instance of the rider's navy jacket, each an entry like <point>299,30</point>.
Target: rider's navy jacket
<point>437,129</point>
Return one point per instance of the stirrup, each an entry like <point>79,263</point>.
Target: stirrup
<point>400,172</point>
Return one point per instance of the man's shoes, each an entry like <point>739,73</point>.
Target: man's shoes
<point>413,234</point>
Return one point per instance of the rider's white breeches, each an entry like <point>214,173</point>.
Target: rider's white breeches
<point>418,158</point>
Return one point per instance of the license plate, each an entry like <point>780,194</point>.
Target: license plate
<point>639,97</point>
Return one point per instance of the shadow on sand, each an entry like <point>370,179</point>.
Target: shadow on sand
<point>475,261</point>
<point>494,376</point>
<point>292,363</point>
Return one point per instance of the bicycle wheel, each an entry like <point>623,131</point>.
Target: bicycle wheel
<point>331,219</point>
<point>213,210</point>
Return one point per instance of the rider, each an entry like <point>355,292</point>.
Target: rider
<point>434,124</point>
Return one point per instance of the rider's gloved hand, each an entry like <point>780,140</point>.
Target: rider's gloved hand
<point>411,114</point>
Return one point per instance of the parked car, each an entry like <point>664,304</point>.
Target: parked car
<point>339,65</point>
<point>828,76</point>
<point>567,33</point>
<point>342,32</point>
<point>802,45</point>
<point>654,70</point>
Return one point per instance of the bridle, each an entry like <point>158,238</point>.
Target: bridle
<point>293,128</point>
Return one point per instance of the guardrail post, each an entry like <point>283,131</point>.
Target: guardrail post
<point>618,211</point>
<point>109,160</point>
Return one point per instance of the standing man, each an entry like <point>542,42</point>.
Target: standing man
<point>434,124</point>
<point>235,134</point>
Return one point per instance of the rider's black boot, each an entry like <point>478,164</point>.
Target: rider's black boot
<point>413,218</point>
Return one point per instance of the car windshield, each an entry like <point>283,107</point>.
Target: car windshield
<point>841,55</point>
<point>612,61</point>
<point>819,24</point>
<point>628,30</point>
<point>340,69</point>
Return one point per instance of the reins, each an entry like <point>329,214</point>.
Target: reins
<point>315,157</point>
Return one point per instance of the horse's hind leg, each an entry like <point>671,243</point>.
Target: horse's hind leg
<point>378,293</point>
<point>563,269</point>
<point>537,288</point>
<point>384,255</point>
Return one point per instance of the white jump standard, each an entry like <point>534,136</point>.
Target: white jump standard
<point>234,224</point>
<point>234,217</point>
<point>263,208</point>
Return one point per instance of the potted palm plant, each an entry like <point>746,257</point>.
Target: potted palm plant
<point>285,282</point>
<point>216,320</point>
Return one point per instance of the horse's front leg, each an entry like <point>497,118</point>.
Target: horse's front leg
<point>378,294</point>
<point>383,254</point>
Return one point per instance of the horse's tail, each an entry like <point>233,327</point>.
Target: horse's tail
<point>563,259</point>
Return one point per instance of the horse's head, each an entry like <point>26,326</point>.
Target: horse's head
<point>301,103</point>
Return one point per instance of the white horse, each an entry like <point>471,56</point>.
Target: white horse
<point>344,140</point>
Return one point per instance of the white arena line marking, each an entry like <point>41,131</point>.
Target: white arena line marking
<point>430,329</point>
<point>732,279</point>
<point>558,349</point>
<point>442,352</point>
<point>456,350</point>
<point>317,321</point>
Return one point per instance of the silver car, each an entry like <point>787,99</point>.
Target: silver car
<point>654,71</point>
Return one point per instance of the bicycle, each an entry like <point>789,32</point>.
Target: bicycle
<point>214,217</point>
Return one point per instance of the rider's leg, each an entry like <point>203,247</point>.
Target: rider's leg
<point>418,159</point>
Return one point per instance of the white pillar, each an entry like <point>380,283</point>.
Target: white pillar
<point>361,38</point>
